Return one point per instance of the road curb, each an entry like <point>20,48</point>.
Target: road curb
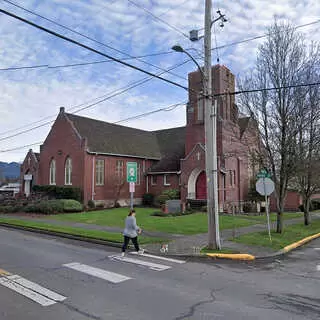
<point>300,243</point>
<point>232,256</point>
<point>220,256</point>
<point>62,235</point>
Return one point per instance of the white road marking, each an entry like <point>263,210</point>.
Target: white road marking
<point>152,266</point>
<point>159,257</point>
<point>36,288</point>
<point>318,267</point>
<point>44,301</point>
<point>316,248</point>
<point>96,272</point>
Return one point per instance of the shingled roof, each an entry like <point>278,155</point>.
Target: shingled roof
<point>104,137</point>
<point>172,147</point>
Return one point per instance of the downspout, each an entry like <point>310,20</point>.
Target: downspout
<point>93,193</point>
<point>239,186</point>
<point>147,180</point>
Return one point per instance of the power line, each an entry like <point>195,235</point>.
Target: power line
<point>82,35</point>
<point>20,68</point>
<point>91,49</point>
<point>84,63</point>
<point>158,19</point>
<point>169,108</point>
<point>105,97</point>
<point>261,36</point>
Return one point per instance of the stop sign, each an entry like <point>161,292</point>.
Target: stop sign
<point>265,186</point>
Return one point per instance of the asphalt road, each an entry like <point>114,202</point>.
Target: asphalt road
<point>84,282</point>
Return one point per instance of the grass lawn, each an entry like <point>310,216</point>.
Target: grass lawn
<point>291,234</point>
<point>273,216</point>
<point>187,224</point>
<point>95,234</point>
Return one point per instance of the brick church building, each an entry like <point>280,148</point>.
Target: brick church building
<point>92,154</point>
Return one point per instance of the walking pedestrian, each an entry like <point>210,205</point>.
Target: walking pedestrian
<point>130,233</point>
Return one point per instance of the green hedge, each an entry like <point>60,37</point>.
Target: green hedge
<point>60,192</point>
<point>54,206</point>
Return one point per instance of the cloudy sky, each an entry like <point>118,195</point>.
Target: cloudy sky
<point>65,75</point>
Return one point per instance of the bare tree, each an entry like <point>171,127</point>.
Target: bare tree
<point>308,143</point>
<point>280,60</point>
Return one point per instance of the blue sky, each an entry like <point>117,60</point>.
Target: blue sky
<point>31,97</point>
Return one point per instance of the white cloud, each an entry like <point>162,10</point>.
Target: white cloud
<point>29,95</point>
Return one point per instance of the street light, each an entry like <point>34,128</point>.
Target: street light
<point>210,127</point>
<point>178,48</point>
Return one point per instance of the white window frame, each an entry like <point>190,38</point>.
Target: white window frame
<point>165,183</point>
<point>52,172</point>
<point>99,172</point>
<point>68,172</point>
<point>119,168</point>
<point>153,180</point>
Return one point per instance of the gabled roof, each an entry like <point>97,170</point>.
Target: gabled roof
<point>172,147</point>
<point>104,137</point>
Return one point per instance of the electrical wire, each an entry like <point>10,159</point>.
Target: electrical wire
<point>104,98</point>
<point>169,108</point>
<point>83,35</point>
<point>158,19</point>
<point>90,49</point>
<point>261,36</point>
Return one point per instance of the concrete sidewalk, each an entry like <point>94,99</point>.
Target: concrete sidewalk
<point>178,244</point>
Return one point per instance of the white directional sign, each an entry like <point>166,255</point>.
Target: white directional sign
<point>265,186</point>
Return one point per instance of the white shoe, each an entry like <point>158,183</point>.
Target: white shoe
<point>141,251</point>
<point>122,254</point>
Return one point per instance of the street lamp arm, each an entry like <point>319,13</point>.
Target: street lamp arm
<point>180,49</point>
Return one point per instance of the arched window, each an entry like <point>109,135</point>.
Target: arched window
<point>52,176</point>
<point>68,171</point>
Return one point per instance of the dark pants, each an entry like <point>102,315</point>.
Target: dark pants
<point>126,242</point>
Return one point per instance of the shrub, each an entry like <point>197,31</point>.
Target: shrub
<point>91,204</point>
<point>10,209</point>
<point>59,192</point>
<point>54,206</point>
<point>148,199</point>
<point>169,194</point>
<point>70,205</point>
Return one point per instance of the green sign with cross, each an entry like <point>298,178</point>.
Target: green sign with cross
<point>132,172</point>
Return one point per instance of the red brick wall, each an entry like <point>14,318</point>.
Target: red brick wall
<point>292,202</point>
<point>62,142</point>
<point>159,187</point>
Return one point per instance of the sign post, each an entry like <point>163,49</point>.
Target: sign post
<point>132,179</point>
<point>265,186</point>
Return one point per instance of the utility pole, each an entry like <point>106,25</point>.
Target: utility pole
<point>211,135</point>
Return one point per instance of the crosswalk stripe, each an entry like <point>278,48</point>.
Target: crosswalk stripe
<point>44,301</point>
<point>152,266</point>
<point>159,257</point>
<point>96,272</point>
<point>36,288</point>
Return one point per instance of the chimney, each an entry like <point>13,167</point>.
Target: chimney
<point>61,109</point>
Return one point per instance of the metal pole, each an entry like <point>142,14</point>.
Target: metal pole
<point>210,141</point>
<point>267,207</point>
<point>131,200</point>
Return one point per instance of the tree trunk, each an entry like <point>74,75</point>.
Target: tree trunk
<point>279,222</point>
<point>306,206</point>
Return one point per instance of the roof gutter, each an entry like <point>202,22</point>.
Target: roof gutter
<point>121,155</point>
<point>164,172</point>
